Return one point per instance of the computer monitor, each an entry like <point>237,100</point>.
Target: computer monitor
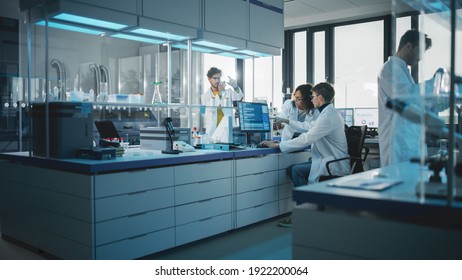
<point>367,116</point>
<point>347,115</point>
<point>254,117</point>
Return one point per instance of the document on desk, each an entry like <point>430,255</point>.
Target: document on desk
<point>375,184</point>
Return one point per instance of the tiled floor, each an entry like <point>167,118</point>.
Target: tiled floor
<point>262,241</point>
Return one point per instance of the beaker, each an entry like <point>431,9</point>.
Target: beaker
<point>443,150</point>
<point>156,97</point>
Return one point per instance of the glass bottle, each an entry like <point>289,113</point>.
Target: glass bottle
<point>156,97</point>
<point>443,150</point>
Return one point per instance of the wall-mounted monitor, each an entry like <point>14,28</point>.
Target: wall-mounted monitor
<point>254,117</point>
<point>347,115</point>
<point>367,116</point>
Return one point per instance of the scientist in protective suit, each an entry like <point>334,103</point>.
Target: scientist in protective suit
<point>326,137</point>
<point>399,137</point>
<point>217,96</point>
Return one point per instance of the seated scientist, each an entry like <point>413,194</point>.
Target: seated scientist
<point>326,137</point>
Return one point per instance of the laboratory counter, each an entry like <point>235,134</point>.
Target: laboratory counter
<point>394,223</point>
<point>133,159</point>
<point>141,203</point>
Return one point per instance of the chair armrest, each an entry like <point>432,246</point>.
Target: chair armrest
<point>366,152</point>
<point>340,159</point>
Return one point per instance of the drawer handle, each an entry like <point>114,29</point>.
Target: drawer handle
<point>203,182</point>
<point>137,214</point>
<point>137,236</point>
<point>137,171</point>
<point>134,193</point>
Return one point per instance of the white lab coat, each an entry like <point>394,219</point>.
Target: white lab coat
<point>228,95</point>
<point>291,112</point>
<point>328,141</point>
<point>399,139</point>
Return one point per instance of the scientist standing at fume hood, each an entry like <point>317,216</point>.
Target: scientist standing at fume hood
<point>217,96</point>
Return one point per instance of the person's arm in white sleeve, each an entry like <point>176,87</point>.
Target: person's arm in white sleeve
<point>321,128</point>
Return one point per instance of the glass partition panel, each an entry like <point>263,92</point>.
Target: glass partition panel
<point>426,106</point>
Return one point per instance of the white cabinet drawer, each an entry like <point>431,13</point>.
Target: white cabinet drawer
<point>256,181</point>
<point>132,181</point>
<point>283,177</point>
<point>286,190</point>
<point>286,205</point>
<point>257,197</point>
<point>68,205</point>
<point>202,229</point>
<point>138,246</point>
<point>202,210</point>
<point>199,172</point>
<point>203,190</point>
<point>50,179</point>
<point>256,165</point>
<point>134,225</point>
<point>286,160</point>
<point>133,203</point>
<point>255,214</point>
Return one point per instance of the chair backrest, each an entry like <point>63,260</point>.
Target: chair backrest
<point>355,138</point>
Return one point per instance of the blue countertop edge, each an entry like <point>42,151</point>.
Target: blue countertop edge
<point>397,201</point>
<point>121,164</point>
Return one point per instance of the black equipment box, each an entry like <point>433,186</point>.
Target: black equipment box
<point>70,126</point>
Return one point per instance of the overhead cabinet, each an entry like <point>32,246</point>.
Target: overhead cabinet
<point>226,17</point>
<point>184,12</point>
<point>266,22</point>
<point>131,7</point>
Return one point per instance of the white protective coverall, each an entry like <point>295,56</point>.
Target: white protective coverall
<point>289,111</point>
<point>328,141</point>
<point>399,139</point>
<point>228,95</point>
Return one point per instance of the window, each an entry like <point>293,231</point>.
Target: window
<point>263,80</point>
<point>358,53</point>
<point>319,61</point>
<point>299,59</point>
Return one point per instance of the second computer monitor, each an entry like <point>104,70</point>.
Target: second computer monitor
<point>367,116</point>
<point>347,115</point>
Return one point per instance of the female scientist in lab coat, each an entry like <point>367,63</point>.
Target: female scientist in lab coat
<point>297,113</point>
<point>219,95</point>
<point>326,137</point>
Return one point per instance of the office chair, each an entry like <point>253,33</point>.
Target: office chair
<point>355,136</point>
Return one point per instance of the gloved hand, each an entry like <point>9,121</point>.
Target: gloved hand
<point>232,82</point>
<point>279,120</point>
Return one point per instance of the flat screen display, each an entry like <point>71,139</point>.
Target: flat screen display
<point>254,117</point>
<point>367,116</point>
<point>347,115</point>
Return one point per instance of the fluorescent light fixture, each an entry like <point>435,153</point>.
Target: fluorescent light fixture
<point>137,38</point>
<point>253,53</point>
<point>70,27</point>
<point>90,21</point>
<point>194,48</point>
<point>164,35</point>
<point>214,45</point>
<point>234,55</point>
